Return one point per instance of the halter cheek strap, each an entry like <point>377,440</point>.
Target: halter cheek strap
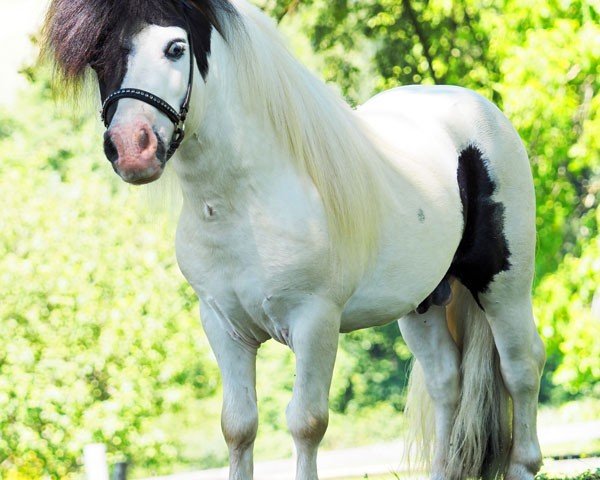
<point>178,118</point>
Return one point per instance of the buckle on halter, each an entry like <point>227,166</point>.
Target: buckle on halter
<point>179,133</point>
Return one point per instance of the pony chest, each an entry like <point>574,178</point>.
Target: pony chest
<point>256,245</point>
<point>236,254</point>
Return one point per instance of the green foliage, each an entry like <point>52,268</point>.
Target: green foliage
<point>553,101</point>
<point>102,331</point>
<point>568,326</point>
<point>372,367</point>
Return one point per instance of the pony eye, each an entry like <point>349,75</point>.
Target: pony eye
<point>175,50</point>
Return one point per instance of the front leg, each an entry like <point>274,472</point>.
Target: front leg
<point>239,416</point>
<point>313,336</point>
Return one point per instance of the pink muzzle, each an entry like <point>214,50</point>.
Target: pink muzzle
<point>133,150</point>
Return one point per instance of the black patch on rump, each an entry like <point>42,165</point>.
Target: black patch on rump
<point>97,33</point>
<point>483,251</point>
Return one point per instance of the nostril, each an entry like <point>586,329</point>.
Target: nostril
<point>143,139</point>
<point>110,149</point>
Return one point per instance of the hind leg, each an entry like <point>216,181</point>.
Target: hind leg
<point>522,359</point>
<point>429,339</point>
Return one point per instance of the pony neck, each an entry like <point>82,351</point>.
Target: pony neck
<point>260,105</point>
<point>226,133</point>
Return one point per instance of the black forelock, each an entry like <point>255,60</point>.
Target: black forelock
<point>78,33</point>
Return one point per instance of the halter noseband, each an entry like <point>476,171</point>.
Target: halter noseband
<point>178,119</point>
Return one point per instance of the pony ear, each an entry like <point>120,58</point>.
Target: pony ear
<point>214,11</point>
<point>199,28</point>
<point>202,16</point>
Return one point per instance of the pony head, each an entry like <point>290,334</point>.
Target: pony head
<point>139,50</point>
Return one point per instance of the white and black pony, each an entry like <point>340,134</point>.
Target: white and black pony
<point>302,219</point>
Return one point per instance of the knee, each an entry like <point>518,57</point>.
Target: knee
<point>308,425</point>
<point>239,427</point>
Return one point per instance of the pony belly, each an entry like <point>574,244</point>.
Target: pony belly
<point>387,298</point>
<point>412,265</point>
<point>373,311</point>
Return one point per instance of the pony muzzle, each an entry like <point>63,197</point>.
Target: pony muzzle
<point>136,152</point>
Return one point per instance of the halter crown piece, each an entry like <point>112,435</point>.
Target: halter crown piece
<point>178,118</point>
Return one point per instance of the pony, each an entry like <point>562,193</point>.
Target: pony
<point>303,219</point>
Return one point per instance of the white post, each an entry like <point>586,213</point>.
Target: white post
<point>94,461</point>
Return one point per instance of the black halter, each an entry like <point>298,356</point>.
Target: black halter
<point>178,119</point>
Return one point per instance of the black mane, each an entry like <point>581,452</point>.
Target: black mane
<point>81,33</point>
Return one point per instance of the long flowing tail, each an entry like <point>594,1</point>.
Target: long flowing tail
<point>480,439</point>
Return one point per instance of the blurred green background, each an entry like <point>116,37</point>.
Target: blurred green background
<point>101,341</point>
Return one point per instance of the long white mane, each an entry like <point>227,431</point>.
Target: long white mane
<point>323,135</point>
